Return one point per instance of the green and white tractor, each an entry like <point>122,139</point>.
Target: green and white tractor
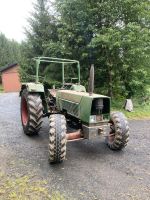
<point>73,113</point>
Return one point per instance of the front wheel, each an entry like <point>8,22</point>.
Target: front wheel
<point>57,138</point>
<point>119,131</point>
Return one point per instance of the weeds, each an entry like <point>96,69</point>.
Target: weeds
<point>1,88</point>
<point>24,188</point>
<point>140,111</point>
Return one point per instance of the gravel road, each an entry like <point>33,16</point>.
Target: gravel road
<point>91,171</point>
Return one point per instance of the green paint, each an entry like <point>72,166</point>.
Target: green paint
<point>78,88</point>
<point>37,70</point>
<point>85,108</point>
<point>63,74</point>
<point>78,104</point>
<point>61,61</point>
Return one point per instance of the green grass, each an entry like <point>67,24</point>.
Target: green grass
<point>24,188</point>
<point>1,88</point>
<point>139,111</point>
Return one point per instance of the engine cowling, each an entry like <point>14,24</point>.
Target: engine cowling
<point>89,109</point>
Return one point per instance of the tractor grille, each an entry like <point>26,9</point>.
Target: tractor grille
<point>71,108</point>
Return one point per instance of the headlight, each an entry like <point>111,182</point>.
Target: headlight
<point>93,119</point>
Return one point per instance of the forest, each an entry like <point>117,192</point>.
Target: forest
<point>114,35</point>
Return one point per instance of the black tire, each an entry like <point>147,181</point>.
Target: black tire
<point>57,138</point>
<point>31,112</point>
<point>119,134</point>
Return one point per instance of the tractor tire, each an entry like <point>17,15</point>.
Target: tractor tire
<point>119,133</point>
<point>31,113</point>
<point>57,138</point>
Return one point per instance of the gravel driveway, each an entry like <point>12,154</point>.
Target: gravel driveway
<point>91,171</point>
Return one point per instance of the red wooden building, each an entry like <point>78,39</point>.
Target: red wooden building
<point>10,78</point>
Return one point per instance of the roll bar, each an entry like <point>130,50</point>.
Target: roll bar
<point>39,60</point>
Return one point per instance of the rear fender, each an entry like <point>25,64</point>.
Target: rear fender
<point>35,88</point>
<point>32,88</point>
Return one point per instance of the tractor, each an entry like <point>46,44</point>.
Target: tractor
<point>73,113</point>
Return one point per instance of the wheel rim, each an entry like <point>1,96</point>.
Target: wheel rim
<point>111,136</point>
<point>24,112</point>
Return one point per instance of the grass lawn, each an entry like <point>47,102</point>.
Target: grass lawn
<point>142,112</point>
<point>1,88</point>
<point>139,111</point>
<point>24,187</point>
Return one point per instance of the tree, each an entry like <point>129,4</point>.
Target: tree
<point>42,30</point>
<point>112,34</point>
<point>42,37</point>
<point>124,41</point>
<point>9,51</point>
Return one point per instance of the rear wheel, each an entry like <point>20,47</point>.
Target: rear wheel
<point>57,138</point>
<point>31,112</point>
<point>119,133</point>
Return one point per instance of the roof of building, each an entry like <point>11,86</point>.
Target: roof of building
<point>8,67</point>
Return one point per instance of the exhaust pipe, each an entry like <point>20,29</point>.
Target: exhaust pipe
<point>91,80</point>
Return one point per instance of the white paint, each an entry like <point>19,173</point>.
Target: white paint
<point>13,17</point>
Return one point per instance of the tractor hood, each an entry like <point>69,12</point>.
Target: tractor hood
<point>70,95</point>
<point>81,105</point>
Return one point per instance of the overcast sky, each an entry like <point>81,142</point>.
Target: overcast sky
<point>13,15</point>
